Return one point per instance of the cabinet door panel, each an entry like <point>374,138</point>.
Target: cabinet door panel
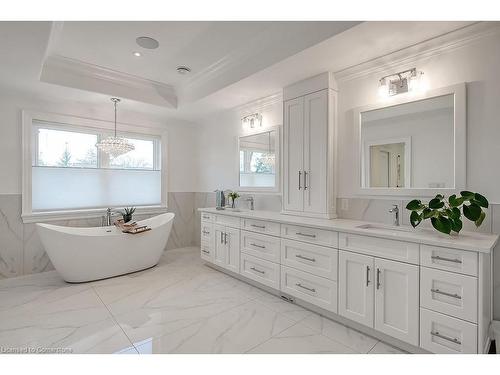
<point>315,152</point>
<point>232,241</point>
<point>356,287</point>
<point>397,300</point>
<point>293,147</point>
<point>220,249</point>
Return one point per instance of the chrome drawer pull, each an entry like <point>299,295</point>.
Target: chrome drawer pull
<point>306,288</point>
<point>225,238</point>
<point>300,174</point>
<point>306,235</point>
<point>437,257</point>
<point>205,251</point>
<point>305,258</point>
<point>455,341</point>
<point>259,246</point>
<point>206,217</point>
<point>205,232</point>
<point>258,226</point>
<point>378,278</point>
<point>256,270</point>
<point>446,294</point>
<point>367,275</point>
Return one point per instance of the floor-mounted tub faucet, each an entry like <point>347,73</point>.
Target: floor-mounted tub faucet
<point>395,210</point>
<point>108,217</point>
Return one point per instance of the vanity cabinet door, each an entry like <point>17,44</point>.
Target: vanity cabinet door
<point>293,151</point>
<point>397,300</point>
<point>232,242</point>
<point>220,247</point>
<point>315,152</point>
<point>356,287</point>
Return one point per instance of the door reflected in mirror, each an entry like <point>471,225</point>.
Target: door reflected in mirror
<point>258,160</point>
<point>410,145</point>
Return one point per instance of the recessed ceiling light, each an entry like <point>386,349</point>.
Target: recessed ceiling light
<point>137,54</point>
<point>183,69</point>
<point>147,42</point>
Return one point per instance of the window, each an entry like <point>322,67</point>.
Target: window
<point>68,172</point>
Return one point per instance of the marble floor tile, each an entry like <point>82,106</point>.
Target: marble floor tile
<point>358,341</point>
<point>72,318</point>
<point>290,310</point>
<point>234,331</point>
<point>383,348</point>
<point>177,300</point>
<point>301,339</point>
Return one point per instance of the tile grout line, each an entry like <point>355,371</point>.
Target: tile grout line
<point>114,319</point>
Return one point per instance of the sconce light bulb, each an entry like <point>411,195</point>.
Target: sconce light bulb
<point>383,88</point>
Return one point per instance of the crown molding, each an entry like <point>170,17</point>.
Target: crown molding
<point>259,104</point>
<point>74,73</point>
<point>421,51</point>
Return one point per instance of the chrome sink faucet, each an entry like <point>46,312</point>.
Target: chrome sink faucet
<point>395,210</point>
<point>251,200</point>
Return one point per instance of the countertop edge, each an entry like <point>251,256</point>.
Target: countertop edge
<point>349,226</point>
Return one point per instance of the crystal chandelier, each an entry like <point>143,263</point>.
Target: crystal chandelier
<point>115,146</point>
<point>269,159</point>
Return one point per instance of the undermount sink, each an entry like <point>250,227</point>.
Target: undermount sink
<point>385,228</point>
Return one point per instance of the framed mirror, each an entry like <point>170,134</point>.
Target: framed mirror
<point>413,146</point>
<point>259,161</point>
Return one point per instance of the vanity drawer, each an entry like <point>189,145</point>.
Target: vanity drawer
<point>390,249</point>
<point>207,251</point>
<point>449,259</point>
<point>260,226</point>
<point>260,270</point>
<point>261,246</point>
<point>313,289</point>
<point>318,260</point>
<point>205,216</point>
<point>312,235</point>
<point>446,335</point>
<point>207,232</point>
<point>227,220</point>
<point>449,293</point>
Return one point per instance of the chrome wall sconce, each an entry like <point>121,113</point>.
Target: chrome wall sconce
<point>399,83</point>
<point>252,121</point>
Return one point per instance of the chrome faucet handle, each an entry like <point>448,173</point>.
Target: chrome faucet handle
<point>395,208</point>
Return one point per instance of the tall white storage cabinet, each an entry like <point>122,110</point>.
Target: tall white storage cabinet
<point>309,147</point>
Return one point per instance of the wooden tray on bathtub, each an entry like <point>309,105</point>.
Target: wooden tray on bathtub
<point>131,228</point>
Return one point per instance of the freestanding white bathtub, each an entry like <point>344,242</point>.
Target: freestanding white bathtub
<point>86,254</point>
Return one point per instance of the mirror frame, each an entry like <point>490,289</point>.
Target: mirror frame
<point>277,187</point>
<point>460,142</point>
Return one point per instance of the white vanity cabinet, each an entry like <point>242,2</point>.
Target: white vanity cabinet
<point>227,247</point>
<point>422,296</point>
<point>381,294</point>
<point>308,148</point>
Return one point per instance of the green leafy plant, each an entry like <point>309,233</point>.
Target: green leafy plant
<point>233,195</point>
<point>127,214</point>
<point>446,215</point>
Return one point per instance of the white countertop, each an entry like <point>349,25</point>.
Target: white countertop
<point>471,241</point>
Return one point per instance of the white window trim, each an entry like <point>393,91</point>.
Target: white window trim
<point>28,147</point>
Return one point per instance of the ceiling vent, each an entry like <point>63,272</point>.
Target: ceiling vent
<point>147,42</point>
<point>183,70</point>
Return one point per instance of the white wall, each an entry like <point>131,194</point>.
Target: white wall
<point>182,138</point>
<point>218,145</point>
<point>477,64</point>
